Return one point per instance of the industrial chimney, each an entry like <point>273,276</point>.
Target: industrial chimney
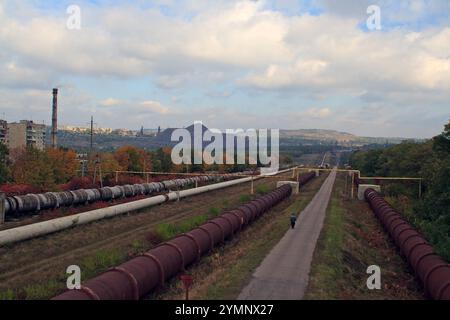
<point>55,118</point>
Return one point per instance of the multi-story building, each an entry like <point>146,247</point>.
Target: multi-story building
<point>3,132</point>
<point>17,135</point>
<point>84,130</point>
<point>26,134</point>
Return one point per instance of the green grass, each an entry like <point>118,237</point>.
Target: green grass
<point>99,262</point>
<point>138,246</point>
<point>7,295</point>
<point>166,231</point>
<point>262,189</point>
<point>245,198</point>
<point>328,270</point>
<point>41,291</point>
<point>214,212</point>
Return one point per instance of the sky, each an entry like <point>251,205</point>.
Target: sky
<point>231,64</point>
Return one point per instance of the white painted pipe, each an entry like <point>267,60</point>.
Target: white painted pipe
<point>54,225</point>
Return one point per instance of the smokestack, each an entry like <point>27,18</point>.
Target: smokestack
<point>55,118</point>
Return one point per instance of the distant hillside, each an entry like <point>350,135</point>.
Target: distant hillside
<point>164,138</point>
<point>318,134</point>
<point>106,142</point>
<point>340,137</point>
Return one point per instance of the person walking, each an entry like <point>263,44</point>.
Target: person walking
<point>293,220</point>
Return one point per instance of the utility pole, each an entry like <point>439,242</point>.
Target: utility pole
<point>92,133</point>
<point>54,118</point>
<point>98,168</point>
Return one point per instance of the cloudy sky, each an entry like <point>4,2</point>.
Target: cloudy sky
<point>253,64</point>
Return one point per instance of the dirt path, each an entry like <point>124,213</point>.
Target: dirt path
<point>45,258</point>
<point>284,273</point>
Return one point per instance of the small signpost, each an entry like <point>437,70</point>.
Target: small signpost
<point>187,282</point>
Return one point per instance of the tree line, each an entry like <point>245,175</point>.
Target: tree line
<point>429,160</point>
<point>48,170</point>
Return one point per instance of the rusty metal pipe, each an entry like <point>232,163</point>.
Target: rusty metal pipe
<point>430,268</point>
<point>137,277</point>
<point>304,179</point>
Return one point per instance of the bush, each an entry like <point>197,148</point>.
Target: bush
<point>262,189</point>
<point>213,211</point>
<point>12,189</point>
<point>78,183</point>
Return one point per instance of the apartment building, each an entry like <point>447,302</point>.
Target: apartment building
<point>26,134</point>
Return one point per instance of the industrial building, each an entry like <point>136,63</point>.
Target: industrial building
<point>26,134</point>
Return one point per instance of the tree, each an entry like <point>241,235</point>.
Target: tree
<point>32,166</point>
<point>162,160</point>
<point>64,164</point>
<point>441,143</point>
<point>133,159</point>
<point>109,164</point>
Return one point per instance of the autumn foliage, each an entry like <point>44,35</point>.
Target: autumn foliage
<point>43,169</point>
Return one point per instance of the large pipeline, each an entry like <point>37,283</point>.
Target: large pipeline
<point>136,278</point>
<point>430,268</point>
<point>304,179</point>
<point>46,227</point>
<point>33,203</point>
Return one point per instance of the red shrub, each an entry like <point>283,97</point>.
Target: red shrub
<point>12,189</point>
<point>78,183</point>
<point>130,180</point>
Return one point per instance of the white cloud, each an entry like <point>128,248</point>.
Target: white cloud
<point>136,107</point>
<point>318,113</point>
<point>222,50</point>
<point>271,50</point>
<point>110,102</point>
<point>155,107</point>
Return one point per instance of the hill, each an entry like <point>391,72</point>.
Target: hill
<point>80,141</point>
